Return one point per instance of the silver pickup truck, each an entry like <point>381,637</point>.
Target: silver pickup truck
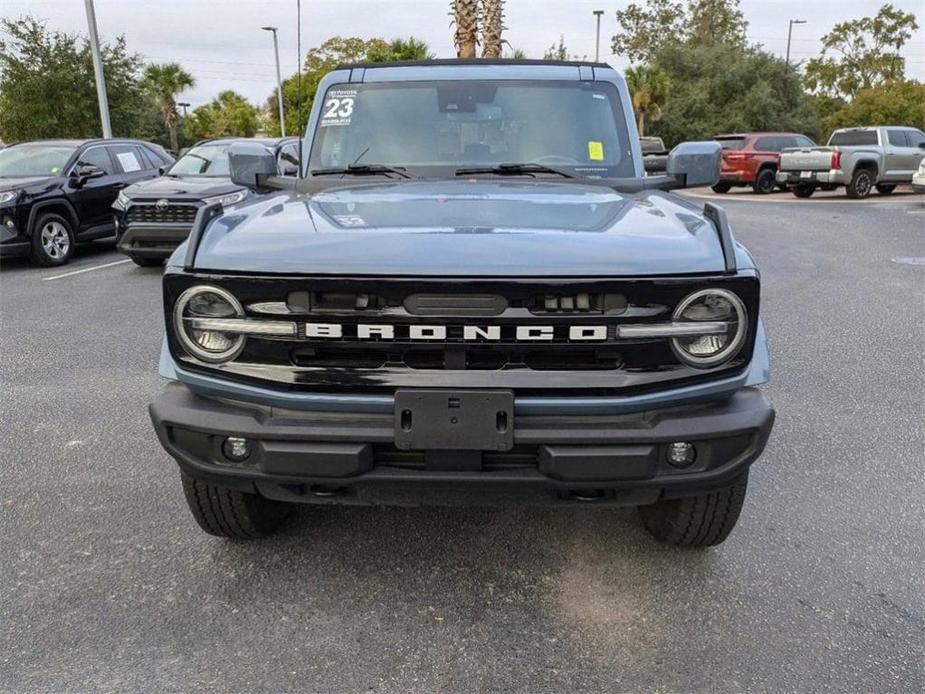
<point>857,158</point>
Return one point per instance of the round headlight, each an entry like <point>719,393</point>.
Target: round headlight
<point>211,346</point>
<point>717,306</point>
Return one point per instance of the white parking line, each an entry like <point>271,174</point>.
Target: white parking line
<point>86,269</point>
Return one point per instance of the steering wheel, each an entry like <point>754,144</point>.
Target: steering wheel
<point>555,159</point>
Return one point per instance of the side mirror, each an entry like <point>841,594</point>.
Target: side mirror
<point>85,172</point>
<point>248,160</point>
<point>287,168</point>
<point>697,164</point>
<point>921,145</point>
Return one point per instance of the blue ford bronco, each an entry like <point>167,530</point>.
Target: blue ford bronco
<point>470,294</point>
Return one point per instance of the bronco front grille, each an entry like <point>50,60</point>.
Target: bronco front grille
<point>467,332</point>
<point>173,213</point>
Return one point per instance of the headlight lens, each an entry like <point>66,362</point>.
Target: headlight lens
<point>712,305</point>
<point>227,199</point>
<point>207,345</point>
<point>7,196</point>
<point>123,200</point>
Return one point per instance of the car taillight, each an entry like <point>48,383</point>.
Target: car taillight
<point>836,160</point>
<point>735,156</point>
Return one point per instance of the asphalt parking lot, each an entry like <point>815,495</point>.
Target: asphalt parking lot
<point>107,584</point>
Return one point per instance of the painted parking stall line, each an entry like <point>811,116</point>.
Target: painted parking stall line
<point>86,269</point>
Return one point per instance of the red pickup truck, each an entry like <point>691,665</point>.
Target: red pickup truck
<point>752,159</point>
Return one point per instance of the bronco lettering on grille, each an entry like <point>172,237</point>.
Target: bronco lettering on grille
<point>456,333</point>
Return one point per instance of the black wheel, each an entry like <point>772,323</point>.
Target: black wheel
<point>721,188</point>
<point>697,521</point>
<point>765,182</point>
<point>147,262</point>
<point>229,513</point>
<point>52,240</point>
<point>802,191</point>
<point>861,184</point>
<point>885,188</point>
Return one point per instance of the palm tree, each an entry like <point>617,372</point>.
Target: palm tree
<point>492,26</point>
<point>164,82</point>
<point>465,15</point>
<point>649,88</point>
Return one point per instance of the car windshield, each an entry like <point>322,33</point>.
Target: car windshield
<point>853,138</point>
<point>437,127</point>
<point>20,161</point>
<point>203,160</point>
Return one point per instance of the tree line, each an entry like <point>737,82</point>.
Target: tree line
<point>693,74</point>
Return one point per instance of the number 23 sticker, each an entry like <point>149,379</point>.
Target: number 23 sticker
<point>338,108</point>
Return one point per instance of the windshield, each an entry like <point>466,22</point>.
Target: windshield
<point>433,128</point>
<point>21,161</point>
<point>853,138</point>
<point>204,160</point>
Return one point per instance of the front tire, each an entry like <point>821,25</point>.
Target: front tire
<point>229,513</point>
<point>802,191</point>
<point>861,184</point>
<point>765,182</point>
<point>52,241</point>
<point>698,521</point>
<point>721,188</point>
<point>885,188</point>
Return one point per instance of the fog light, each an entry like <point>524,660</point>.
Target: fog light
<point>681,453</point>
<point>236,449</point>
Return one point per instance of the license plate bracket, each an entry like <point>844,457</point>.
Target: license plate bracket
<point>462,420</point>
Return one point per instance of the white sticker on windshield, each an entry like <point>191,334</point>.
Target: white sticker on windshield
<point>338,107</point>
<point>129,162</point>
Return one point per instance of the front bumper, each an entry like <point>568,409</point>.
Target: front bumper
<point>152,241</point>
<point>351,457</point>
<point>832,177</point>
<point>918,183</point>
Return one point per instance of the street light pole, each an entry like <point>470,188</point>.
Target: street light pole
<point>597,40</point>
<point>279,81</point>
<point>98,70</point>
<point>790,34</point>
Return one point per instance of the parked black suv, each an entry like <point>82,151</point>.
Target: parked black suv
<point>56,193</point>
<point>154,217</point>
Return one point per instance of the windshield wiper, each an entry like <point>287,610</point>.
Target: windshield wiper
<point>362,170</point>
<point>514,170</point>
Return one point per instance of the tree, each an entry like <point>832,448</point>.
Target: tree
<point>861,53</point>
<point>299,93</point>
<point>648,28</point>
<point>492,26</point>
<point>648,86</point>
<point>47,86</point>
<point>164,82</point>
<point>900,101</point>
<point>227,115</point>
<point>728,88</point>
<point>560,52</point>
<point>465,15</point>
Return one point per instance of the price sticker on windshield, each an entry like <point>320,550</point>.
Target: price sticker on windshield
<point>595,150</point>
<point>338,107</point>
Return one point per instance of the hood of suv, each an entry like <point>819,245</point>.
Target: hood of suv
<point>32,183</point>
<point>478,228</point>
<point>181,187</point>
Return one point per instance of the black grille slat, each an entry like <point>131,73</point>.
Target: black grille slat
<point>171,214</point>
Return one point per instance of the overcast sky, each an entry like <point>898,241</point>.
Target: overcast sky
<point>220,42</point>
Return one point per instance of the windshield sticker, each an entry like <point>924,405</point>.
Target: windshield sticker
<point>55,169</point>
<point>128,161</point>
<point>595,150</point>
<point>338,107</point>
<point>350,220</point>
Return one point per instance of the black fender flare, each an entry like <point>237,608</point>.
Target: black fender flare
<point>38,207</point>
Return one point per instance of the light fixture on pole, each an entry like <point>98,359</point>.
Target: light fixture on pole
<point>597,40</point>
<point>279,81</point>
<point>790,33</point>
<point>184,105</point>
<point>98,70</point>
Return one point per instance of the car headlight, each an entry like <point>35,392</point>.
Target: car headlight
<point>7,196</point>
<point>123,200</point>
<point>717,306</point>
<point>207,303</point>
<point>227,199</point>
